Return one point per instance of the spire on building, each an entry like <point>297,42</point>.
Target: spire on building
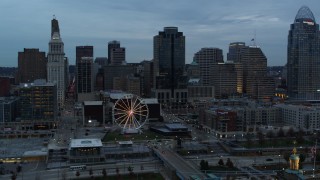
<point>54,26</point>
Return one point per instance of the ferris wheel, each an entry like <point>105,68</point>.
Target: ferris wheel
<point>130,112</point>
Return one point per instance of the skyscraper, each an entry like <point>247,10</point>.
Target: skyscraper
<point>56,70</point>
<point>84,72</point>
<point>303,59</point>
<point>118,56</point>
<point>234,53</point>
<point>206,58</point>
<point>32,65</point>
<point>83,51</point>
<point>169,63</point>
<point>112,45</point>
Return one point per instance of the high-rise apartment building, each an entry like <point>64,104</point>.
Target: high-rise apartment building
<point>224,79</point>
<point>112,45</point>
<point>206,58</point>
<point>169,65</point>
<point>234,53</point>
<point>250,65</point>
<point>83,51</point>
<point>254,66</point>
<point>303,59</point>
<point>84,72</point>
<point>56,67</point>
<point>118,56</point>
<point>38,100</point>
<point>85,75</point>
<point>32,65</point>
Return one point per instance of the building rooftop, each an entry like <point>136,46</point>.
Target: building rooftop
<point>92,103</point>
<point>304,13</point>
<point>78,143</point>
<point>150,101</point>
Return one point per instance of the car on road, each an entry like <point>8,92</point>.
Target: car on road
<point>269,159</point>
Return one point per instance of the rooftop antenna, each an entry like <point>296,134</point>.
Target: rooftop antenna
<point>253,40</point>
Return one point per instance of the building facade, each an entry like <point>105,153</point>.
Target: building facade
<point>234,53</point>
<point>118,56</point>
<point>9,109</point>
<point>38,101</point>
<point>303,68</point>
<point>112,45</point>
<point>32,65</point>
<point>206,58</point>
<point>169,63</point>
<point>56,68</point>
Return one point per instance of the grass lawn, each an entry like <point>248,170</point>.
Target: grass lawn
<point>147,176</point>
<point>117,136</point>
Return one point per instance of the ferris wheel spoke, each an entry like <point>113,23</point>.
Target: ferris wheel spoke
<point>125,104</point>
<point>121,108</point>
<point>122,117</point>
<point>121,122</point>
<point>140,111</point>
<point>126,122</point>
<point>135,104</point>
<point>141,107</point>
<point>140,114</point>
<point>137,122</point>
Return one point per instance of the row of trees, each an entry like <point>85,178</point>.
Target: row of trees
<point>104,172</point>
<point>204,165</point>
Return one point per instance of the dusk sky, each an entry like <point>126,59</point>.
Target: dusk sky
<point>205,23</point>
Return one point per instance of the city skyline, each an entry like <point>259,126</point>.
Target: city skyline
<point>205,24</point>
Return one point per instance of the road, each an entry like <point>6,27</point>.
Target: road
<point>54,174</point>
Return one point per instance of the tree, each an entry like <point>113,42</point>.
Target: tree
<point>280,133</point>
<point>249,139</point>
<point>204,165</point>
<point>302,159</point>
<point>91,173</point>
<point>104,172</point>
<point>64,175</point>
<point>290,132</point>
<point>117,170</point>
<point>221,163</point>
<point>229,163</point>
<point>260,138</point>
<point>299,136</point>
<point>19,168</point>
<point>130,169</point>
<point>286,156</point>
<point>270,134</point>
<point>13,176</point>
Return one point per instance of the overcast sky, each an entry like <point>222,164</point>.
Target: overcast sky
<point>205,23</point>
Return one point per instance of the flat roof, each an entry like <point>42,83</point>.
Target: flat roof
<point>78,143</point>
<point>150,101</point>
<point>176,126</point>
<point>125,142</point>
<point>34,153</point>
<point>119,95</point>
<point>92,103</point>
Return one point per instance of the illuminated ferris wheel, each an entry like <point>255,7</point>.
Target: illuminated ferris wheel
<point>130,112</point>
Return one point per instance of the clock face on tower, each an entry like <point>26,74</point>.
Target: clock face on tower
<point>55,36</point>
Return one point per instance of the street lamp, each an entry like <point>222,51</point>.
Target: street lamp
<point>279,160</point>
